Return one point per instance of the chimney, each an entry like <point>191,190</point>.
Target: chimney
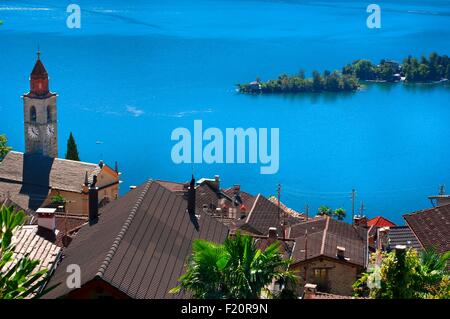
<point>101,164</point>
<point>273,233</point>
<point>236,189</point>
<point>93,202</point>
<point>360,220</point>
<point>191,197</point>
<point>340,252</point>
<point>46,218</point>
<point>309,291</point>
<point>217,181</point>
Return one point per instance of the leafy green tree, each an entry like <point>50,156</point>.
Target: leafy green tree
<point>58,199</point>
<point>339,213</point>
<point>72,150</point>
<point>4,148</point>
<point>236,269</point>
<point>364,70</point>
<point>324,211</point>
<point>19,280</point>
<point>406,274</point>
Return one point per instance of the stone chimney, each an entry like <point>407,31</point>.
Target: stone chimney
<point>340,252</point>
<point>217,181</point>
<point>93,202</point>
<point>309,291</point>
<point>273,233</point>
<point>46,218</point>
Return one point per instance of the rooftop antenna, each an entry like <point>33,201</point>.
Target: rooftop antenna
<point>39,52</point>
<point>442,189</point>
<point>353,205</point>
<point>361,210</point>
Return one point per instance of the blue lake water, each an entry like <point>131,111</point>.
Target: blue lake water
<point>136,70</point>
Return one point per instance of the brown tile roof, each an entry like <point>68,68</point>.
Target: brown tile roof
<point>262,215</point>
<point>140,243</point>
<point>27,197</point>
<point>287,210</point>
<point>28,242</point>
<point>45,172</point>
<point>172,186</point>
<point>402,235</point>
<point>325,235</point>
<point>431,227</point>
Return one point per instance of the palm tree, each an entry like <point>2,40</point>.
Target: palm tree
<point>324,210</point>
<point>236,269</point>
<point>339,213</point>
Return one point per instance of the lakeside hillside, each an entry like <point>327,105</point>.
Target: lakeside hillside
<point>413,70</point>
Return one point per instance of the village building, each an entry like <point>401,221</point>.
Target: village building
<point>33,178</point>
<point>239,210</point>
<point>329,253</point>
<point>138,245</point>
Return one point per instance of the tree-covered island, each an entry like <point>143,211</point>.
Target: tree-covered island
<point>434,69</point>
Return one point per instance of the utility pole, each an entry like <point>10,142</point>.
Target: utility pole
<point>353,205</point>
<point>307,212</point>
<point>279,210</point>
<point>361,210</point>
<point>442,189</point>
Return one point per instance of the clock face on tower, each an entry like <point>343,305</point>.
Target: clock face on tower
<point>33,132</point>
<point>50,130</point>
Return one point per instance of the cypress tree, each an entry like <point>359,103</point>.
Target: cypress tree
<point>72,151</point>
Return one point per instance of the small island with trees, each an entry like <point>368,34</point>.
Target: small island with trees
<point>434,69</point>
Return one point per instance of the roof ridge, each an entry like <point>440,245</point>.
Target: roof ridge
<point>253,207</point>
<point>122,232</point>
<point>322,247</point>
<point>425,210</point>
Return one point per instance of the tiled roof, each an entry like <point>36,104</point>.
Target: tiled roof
<point>66,225</point>
<point>140,243</point>
<point>263,215</point>
<point>380,221</point>
<point>431,227</point>
<point>28,242</point>
<point>402,235</point>
<point>172,186</point>
<point>34,170</point>
<point>27,197</point>
<point>39,70</point>
<point>325,235</point>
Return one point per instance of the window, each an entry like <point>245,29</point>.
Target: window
<point>33,114</point>
<point>321,279</point>
<point>49,114</point>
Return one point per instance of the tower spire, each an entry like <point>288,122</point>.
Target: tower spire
<point>39,52</point>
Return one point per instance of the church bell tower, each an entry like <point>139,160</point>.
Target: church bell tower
<point>40,116</point>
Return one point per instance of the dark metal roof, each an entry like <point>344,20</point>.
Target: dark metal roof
<point>263,215</point>
<point>431,227</point>
<point>325,235</point>
<point>140,243</point>
<point>402,235</point>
